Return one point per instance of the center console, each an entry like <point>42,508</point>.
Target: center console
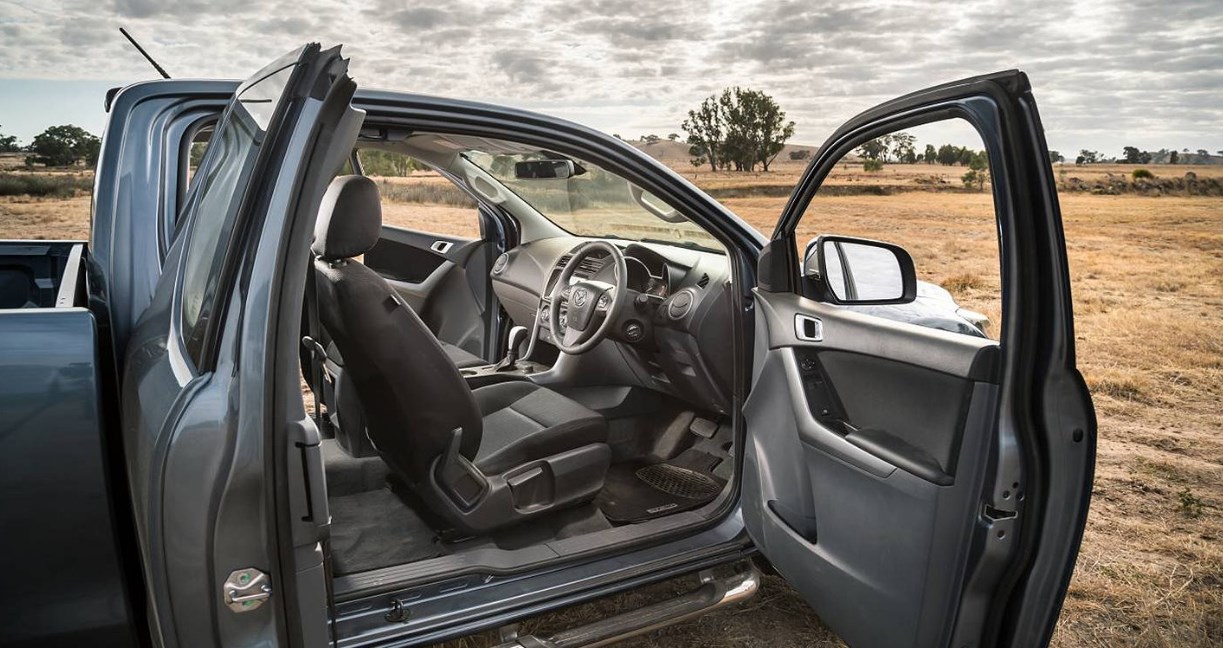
<point>485,375</point>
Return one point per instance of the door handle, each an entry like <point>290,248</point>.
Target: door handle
<point>441,247</point>
<point>808,329</point>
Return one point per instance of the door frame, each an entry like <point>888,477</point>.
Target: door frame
<point>684,542</point>
<point>1044,397</point>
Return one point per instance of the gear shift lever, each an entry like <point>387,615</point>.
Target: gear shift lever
<point>517,335</point>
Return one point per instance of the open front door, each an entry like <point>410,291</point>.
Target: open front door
<point>197,394</point>
<point>918,482</point>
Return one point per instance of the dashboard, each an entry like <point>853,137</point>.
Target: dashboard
<point>673,331</point>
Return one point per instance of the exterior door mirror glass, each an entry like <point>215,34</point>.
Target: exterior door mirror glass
<point>860,271</point>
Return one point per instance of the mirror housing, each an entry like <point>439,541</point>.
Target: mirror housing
<point>546,170</point>
<point>857,271</point>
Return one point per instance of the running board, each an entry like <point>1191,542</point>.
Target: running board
<point>712,594</point>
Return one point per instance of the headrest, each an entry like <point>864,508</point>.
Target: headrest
<point>349,219</point>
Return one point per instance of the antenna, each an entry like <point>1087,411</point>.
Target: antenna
<point>160,70</point>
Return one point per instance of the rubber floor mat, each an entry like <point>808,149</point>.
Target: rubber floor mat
<point>636,491</point>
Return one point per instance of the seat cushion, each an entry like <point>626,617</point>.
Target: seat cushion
<point>524,422</point>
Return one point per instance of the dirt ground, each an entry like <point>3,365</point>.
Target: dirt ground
<point>1148,290</point>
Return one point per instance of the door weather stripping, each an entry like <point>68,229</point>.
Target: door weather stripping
<point>246,589</point>
<point>711,594</point>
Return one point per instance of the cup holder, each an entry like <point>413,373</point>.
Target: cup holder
<point>467,373</point>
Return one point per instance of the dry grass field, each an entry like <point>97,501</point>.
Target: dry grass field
<point>1148,289</point>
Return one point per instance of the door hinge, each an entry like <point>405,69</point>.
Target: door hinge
<point>246,589</point>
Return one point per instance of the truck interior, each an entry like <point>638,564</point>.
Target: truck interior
<point>559,380</point>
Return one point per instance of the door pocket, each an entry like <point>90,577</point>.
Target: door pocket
<point>908,416</point>
<point>402,262</point>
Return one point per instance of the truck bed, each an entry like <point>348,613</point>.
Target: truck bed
<point>62,501</point>
<point>40,274</point>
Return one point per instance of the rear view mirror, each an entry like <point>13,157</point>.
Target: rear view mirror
<point>862,271</point>
<point>546,170</point>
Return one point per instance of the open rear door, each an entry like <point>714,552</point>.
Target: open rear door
<point>921,487</point>
<point>197,395</point>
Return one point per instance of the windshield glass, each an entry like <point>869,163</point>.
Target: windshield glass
<point>593,202</point>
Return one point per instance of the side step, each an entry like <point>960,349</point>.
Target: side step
<point>712,594</point>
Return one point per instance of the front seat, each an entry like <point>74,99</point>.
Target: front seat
<point>480,459</point>
<point>331,386</point>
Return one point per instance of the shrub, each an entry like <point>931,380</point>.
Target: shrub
<point>1142,173</point>
<point>872,165</point>
<point>962,282</point>
<point>1191,505</point>
<point>43,185</point>
<point>442,193</point>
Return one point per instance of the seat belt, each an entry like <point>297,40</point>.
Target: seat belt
<point>318,354</point>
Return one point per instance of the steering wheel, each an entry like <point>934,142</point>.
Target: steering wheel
<point>592,307</point>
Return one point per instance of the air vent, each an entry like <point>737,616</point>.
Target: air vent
<point>500,263</point>
<point>588,267</point>
<point>704,281</point>
<point>681,303</point>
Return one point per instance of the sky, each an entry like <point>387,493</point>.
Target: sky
<point>1106,74</point>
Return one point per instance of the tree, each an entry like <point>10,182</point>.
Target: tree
<point>1055,157</point>
<point>1173,157</point>
<point>705,132</point>
<point>389,163</point>
<point>1087,157</point>
<point>8,144</point>
<point>1203,152</point>
<point>673,137</point>
<point>931,155</point>
<point>875,149</point>
<point>978,170</point>
<point>650,139</point>
<point>1133,155</point>
<point>948,154</point>
<point>872,164</point>
<point>197,154</point>
<point>800,154</point>
<point>903,147</point>
<point>738,129</point>
<point>64,146</point>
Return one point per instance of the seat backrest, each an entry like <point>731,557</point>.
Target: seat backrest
<point>412,394</point>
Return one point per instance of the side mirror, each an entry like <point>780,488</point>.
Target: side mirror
<point>546,170</point>
<point>861,271</point>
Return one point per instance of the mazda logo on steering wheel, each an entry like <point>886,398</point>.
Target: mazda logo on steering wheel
<point>579,297</point>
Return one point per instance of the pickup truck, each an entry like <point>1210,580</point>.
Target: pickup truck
<point>693,398</point>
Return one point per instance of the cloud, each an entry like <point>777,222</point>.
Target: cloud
<point>1106,72</point>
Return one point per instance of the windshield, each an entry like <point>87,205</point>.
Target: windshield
<point>594,202</point>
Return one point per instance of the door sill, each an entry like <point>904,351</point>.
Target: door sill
<point>711,594</point>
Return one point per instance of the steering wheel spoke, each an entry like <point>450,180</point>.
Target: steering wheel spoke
<point>591,306</point>
<point>573,337</point>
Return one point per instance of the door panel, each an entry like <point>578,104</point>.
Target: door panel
<point>444,279</point>
<point>922,487</point>
<point>850,472</point>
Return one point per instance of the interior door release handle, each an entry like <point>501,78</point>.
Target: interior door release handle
<point>441,247</point>
<point>807,328</point>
